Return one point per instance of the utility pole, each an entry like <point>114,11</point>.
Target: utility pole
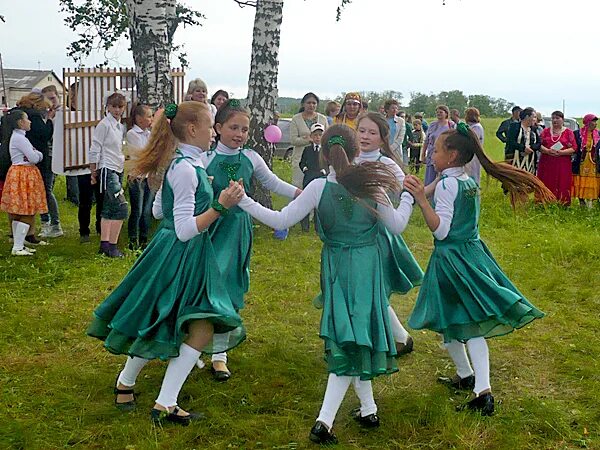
<point>4,93</point>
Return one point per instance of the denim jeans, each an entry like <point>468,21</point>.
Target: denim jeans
<point>48,177</point>
<point>141,198</point>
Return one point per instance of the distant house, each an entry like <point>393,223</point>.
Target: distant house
<point>20,82</point>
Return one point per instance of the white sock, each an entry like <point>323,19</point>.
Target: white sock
<point>399,332</point>
<point>480,356</point>
<point>19,230</point>
<point>364,392</point>
<point>133,367</point>
<point>334,394</point>
<point>220,342</point>
<point>177,372</point>
<point>458,353</point>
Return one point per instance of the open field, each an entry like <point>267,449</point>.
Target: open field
<point>56,383</point>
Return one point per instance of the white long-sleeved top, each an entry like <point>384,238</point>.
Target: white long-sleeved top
<point>376,156</point>
<point>22,153</point>
<point>267,178</point>
<point>444,195</point>
<point>137,138</point>
<point>106,150</point>
<point>183,180</point>
<point>394,220</point>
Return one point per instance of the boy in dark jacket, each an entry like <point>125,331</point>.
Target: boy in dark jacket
<point>310,164</point>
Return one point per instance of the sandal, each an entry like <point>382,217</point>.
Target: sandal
<point>125,406</point>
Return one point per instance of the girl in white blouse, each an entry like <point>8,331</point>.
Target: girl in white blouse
<point>23,196</point>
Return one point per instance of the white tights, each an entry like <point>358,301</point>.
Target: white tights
<point>480,358</point>
<point>334,395</point>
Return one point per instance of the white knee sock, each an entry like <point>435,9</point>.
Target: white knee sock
<point>19,230</point>
<point>364,392</point>
<point>334,394</point>
<point>458,353</point>
<point>220,342</point>
<point>480,357</point>
<point>177,372</point>
<point>133,367</point>
<point>399,332</point>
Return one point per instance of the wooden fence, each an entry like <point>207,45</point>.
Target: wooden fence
<point>84,98</point>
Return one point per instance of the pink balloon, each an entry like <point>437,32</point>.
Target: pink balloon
<point>273,134</point>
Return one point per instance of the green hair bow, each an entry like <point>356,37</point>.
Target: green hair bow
<point>339,140</point>
<point>170,111</point>
<point>463,129</point>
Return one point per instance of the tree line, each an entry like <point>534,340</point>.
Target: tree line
<point>417,102</point>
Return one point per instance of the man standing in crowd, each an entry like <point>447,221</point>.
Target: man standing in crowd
<point>502,132</point>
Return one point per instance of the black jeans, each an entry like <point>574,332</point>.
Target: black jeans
<point>87,192</point>
<point>141,198</point>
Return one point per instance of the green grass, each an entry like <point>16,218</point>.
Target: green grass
<point>56,383</point>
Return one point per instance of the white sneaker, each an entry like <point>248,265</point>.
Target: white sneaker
<point>200,364</point>
<point>31,250</point>
<point>23,252</point>
<point>45,229</point>
<point>54,232</point>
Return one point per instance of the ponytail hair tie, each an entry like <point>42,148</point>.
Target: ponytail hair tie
<point>463,129</point>
<point>170,111</point>
<point>234,103</point>
<point>339,140</point>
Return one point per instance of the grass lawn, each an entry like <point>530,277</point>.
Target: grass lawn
<point>56,383</point>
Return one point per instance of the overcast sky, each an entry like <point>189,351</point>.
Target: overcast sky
<point>529,52</point>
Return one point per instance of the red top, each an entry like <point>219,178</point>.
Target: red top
<point>567,139</point>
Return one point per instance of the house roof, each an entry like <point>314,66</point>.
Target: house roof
<point>25,78</point>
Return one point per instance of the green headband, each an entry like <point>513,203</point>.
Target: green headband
<point>339,140</point>
<point>170,111</point>
<point>463,129</point>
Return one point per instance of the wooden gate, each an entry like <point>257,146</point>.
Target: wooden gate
<point>84,97</point>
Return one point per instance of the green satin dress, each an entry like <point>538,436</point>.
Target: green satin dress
<point>401,270</point>
<point>171,283</point>
<point>231,235</point>
<point>355,322</point>
<point>465,294</point>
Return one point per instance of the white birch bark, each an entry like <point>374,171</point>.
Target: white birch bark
<point>262,82</point>
<point>151,29</point>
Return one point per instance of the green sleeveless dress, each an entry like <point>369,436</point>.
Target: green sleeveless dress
<point>231,235</point>
<point>355,322</point>
<point>465,294</point>
<point>171,283</point>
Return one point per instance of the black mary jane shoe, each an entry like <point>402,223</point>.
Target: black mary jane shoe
<point>483,403</point>
<point>126,406</point>
<point>319,434</point>
<point>220,375</point>
<point>159,416</point>
<point>405,349</point>
<point>456,382</point>
<point>370,421</point>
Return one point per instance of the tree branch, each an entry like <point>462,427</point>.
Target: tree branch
<point>242,3</point>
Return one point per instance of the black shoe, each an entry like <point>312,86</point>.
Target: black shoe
<point>220,375</point>
<point>126,406</point>
<point>483,403</point>
<point>319,434</point>
<point>404,349</point>
<point>158,416</point>
<point>456,382</point>
<point>370,421</point>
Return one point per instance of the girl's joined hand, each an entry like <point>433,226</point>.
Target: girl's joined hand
<point>416,188</point>
<point>232,195</point>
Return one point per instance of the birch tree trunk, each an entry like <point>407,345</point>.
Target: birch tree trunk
<point>262,82</point>
<point>152,24</point>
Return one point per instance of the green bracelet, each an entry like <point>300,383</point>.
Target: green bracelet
<point>219,208</point>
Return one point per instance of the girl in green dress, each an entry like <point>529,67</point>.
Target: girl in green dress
<point>355,324</point>
<point>232,235</point>
<point>174,297</point>
<point>401,270</point>
<point>465,296</point>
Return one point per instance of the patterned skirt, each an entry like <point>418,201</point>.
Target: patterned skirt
<point>24,192</point>
<point>586,185</point>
